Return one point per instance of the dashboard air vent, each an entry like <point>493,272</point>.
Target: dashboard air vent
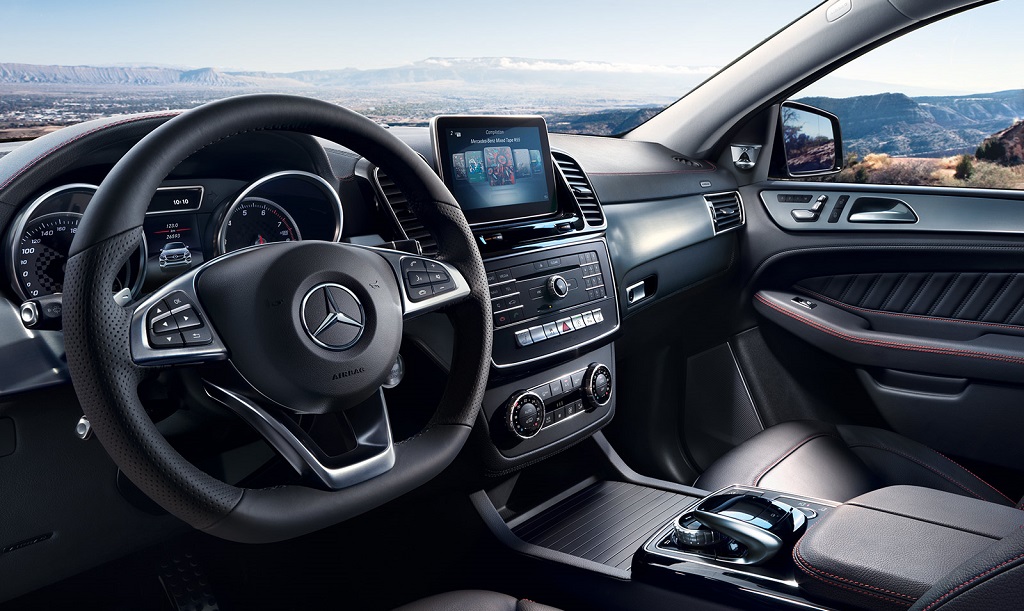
<point>690,163</point>
<point>581,188</point>
<point>408,222</point>
<point>726,210</point>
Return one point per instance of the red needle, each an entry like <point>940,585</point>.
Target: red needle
<point>260,240</point>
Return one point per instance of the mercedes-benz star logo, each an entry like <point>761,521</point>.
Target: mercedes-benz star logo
<point>332,316</point>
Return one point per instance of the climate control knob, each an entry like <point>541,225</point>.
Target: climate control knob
<point>558,287</point>
<point>597,385</point>
<point>524,415</point>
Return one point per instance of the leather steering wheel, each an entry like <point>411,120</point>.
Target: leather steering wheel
<point>240,298</point>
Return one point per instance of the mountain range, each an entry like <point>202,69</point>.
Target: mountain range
<point>931,126</point>
<point>467,73</point>
<point>577,96</point>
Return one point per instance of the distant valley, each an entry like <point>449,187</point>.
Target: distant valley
<point>580,97</point>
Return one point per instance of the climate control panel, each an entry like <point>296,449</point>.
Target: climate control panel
<point>527,412</point>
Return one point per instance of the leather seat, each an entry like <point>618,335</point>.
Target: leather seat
<point>840,462</point>
<point>474,600</point>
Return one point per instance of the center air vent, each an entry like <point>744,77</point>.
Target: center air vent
<point>581,189</point>
<point>726,210</point>
<point>408,223</point>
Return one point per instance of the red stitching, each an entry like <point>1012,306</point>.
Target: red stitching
<point>757,479</point>
<point>952,321</point>
<point>894,345</point>
<point>973,475</point>
<point>803,565</point>
<point>65,143</point>
<point>952,590</point>
<point>923,464</point>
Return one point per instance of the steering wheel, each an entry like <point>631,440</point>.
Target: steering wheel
<point>304,327</point>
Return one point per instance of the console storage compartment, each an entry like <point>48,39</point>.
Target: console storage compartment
<point>886,548</point>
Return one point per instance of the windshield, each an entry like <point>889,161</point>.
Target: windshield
<point>595,67</point>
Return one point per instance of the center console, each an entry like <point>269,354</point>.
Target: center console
<point>645,543</point>
<point>551,285</point>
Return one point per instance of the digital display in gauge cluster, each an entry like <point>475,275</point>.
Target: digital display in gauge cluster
<point>174,244</point>
<point>173,237</point>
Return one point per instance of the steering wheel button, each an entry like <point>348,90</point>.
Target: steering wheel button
<point>166,340</point>
<point>187,319</point>
<point>417,278</point>
<point>176,300</point>
<point>159,309</point>
<point>167,324</point>
<point>412,265</point>
<point>442,287</point>
<point>438,276</point>
<point>197,337</point>
<point>420,293</point>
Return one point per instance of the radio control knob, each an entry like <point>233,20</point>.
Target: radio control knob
<point>597,385</point>
<point>524,415</point>
<point>558,287</point>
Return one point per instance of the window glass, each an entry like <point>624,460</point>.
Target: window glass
<point>941,106</point>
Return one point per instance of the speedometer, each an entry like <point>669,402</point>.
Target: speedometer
<point>41,241</point>
<point>43,253</point>
<point>254,221</point>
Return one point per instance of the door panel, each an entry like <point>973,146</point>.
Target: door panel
<point>928,316</point>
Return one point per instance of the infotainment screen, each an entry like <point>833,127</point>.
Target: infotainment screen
<point>498,168</point>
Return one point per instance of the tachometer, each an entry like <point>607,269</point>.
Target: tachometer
<point>256,220</point>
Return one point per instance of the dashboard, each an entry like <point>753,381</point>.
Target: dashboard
<point>559,243</point>
<point>568,228</point>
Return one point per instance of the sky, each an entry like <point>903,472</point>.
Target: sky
<point>290,35</point>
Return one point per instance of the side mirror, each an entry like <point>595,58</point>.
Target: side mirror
<point>810,142</point>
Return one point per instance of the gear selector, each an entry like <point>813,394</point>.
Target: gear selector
<point>738,528</point>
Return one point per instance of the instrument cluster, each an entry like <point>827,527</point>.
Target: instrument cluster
<point>186,224</point>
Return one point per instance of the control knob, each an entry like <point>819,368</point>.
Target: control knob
<point>558,287</point>
<point>597,385</point>
<point>524,415</point>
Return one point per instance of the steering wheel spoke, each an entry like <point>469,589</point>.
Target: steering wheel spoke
<point>170,327</point>
<point>359,438</point>
<point>427,285</point>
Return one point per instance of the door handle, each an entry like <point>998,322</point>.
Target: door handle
<point>881,210</point>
